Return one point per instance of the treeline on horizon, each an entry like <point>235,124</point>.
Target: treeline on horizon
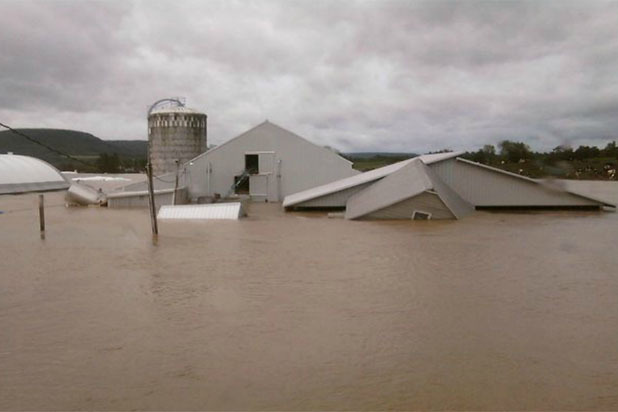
<point>585,162</point>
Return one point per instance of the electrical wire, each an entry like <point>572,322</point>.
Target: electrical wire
<point>167,181</point>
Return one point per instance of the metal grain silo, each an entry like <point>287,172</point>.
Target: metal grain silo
<point>175,134</point>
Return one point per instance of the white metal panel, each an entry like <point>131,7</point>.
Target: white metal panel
<point>303,198</point>
<point>266,162</point>
<point>429,159</point>
<point>342,184</point>
<point>258,185</point>
<point>427,202</point>
<point>21,174</point>
<point>408,182</point>
<point>84,195</point>
<point>215,211</point>
<point>336,199</point>
<point>484,186</point>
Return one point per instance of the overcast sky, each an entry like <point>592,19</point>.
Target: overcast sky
<point>358,76</point>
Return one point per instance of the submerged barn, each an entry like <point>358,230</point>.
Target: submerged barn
<point>265,163</point>
<point>439,186</point>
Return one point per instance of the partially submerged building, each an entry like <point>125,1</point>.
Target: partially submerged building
<point>265,163</point>
<point>25,174</point>
<point>438,186</point>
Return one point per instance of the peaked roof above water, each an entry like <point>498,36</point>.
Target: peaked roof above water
<point>23,174</point>
<point>367,177</point>
<point>269,126</point>
<point>411,180</point>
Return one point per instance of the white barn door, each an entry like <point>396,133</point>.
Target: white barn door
<point>262,185</point>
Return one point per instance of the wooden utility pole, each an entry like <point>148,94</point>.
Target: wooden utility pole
<point>42,215</point>
<point>151,198</point>
<point>176,183</point>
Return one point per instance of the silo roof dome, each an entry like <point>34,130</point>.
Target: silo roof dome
<point>175,109</point>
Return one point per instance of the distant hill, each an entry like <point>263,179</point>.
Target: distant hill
<point>78,144</point>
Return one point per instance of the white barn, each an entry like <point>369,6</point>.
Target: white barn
<point>265,163</point>
<point>278,163</point>
<point>440,186</point>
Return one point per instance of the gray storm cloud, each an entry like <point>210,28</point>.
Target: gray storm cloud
<point>358,76</point>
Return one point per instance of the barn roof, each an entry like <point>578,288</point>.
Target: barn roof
<point>362,178</point>
<point>266,124</point>
<point>410,180</point>
<point>23,174</point>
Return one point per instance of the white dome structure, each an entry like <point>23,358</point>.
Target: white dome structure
<point>24,174</point>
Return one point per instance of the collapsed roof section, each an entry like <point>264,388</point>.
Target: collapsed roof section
<point>439,186</point>
<point>412,188</point>
<point>337,193</point>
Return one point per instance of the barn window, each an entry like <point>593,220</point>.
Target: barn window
<point>420,215</point>
<point>252,164</point>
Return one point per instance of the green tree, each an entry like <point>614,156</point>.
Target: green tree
<point>611,150</point>
<point>108,163</point>
<point>514,151</point>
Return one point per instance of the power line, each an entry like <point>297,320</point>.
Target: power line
<point>51,149</point>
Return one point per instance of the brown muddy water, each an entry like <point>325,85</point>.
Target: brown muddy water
<point>298,311</point>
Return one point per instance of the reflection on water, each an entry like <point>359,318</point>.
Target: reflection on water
<point>298,311</point>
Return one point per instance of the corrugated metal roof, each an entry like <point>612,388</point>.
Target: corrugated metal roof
<point>215,211</point>
<point>456,204</point>
<point>362,178</point>
<point>409,181</point>
<point>540,182</point>
<point>22,174</point>
<point>265,123</point>
<point>438,157</point>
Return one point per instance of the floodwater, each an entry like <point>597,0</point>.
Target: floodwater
<point>297,311</point>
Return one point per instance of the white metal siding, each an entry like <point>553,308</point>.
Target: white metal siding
<point>258,185</point>
<point>337,199</point>
<point>408,182</point>
<point>484,187</point>
<point>202,212</point>
<point>426,202</point>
